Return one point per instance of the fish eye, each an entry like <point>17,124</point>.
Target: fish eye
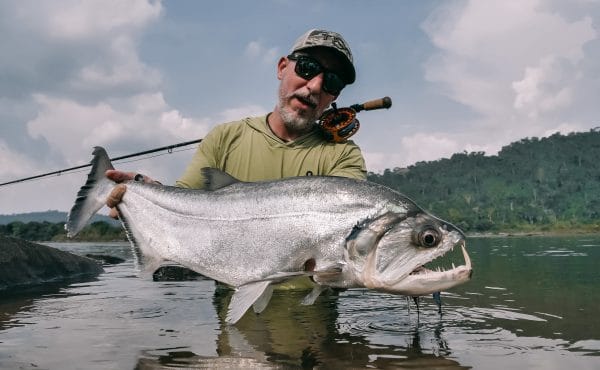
<point>428,237</point>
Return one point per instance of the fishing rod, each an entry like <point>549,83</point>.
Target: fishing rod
<point>168,148</point>
<point>337,125</point>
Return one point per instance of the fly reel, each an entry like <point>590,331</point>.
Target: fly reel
<point>338,124</point>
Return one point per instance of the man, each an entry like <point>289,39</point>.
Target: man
<point>285,142</point>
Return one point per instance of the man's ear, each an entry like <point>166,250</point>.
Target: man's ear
<point>283,62</point>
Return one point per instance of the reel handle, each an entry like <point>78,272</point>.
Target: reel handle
<point>385,102</point>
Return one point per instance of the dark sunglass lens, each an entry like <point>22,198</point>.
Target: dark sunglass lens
<point>307,68</point>
<point>332,83</point>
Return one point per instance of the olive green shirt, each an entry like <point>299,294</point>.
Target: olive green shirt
<point>249,151</point>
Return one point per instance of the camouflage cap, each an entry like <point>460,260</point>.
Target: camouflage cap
<point>329,39</point>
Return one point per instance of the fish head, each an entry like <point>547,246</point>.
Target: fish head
<point>389,253</point>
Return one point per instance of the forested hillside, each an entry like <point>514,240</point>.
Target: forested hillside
<point>49,216</point>
<point>55,231</point>
<point>533,184</point>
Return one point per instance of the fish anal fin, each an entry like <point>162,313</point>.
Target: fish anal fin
<point>313,295</point>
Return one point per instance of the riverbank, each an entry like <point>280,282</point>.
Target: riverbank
<point>591,230</point>
<point>23,263</point>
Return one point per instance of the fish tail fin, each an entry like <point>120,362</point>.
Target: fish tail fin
<point>92,196</point>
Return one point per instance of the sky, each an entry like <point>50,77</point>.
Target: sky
<point>133,75</point>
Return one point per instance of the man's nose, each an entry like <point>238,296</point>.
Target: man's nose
<point>315,84</point>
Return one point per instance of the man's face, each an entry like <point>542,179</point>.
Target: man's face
<point>301,102</point>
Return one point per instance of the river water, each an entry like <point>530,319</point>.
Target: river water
<point>532,304</point>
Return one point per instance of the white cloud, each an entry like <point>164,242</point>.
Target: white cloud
<point>256,50</point>
<point>14,164</point>
<point>74,47</point>
<point>141,117</point>
<point>414,148</point>
<point>428,146</point>
<point>516,64</point>
<point>182,128</point>
<point>379,161</point>
<point>82,71</point>
<point>564,128</point>
<point>77,20</point>
<point>234,114</point>
<point>544,88</point>
<point>122,69</point>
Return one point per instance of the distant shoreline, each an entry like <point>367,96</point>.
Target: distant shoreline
<point>507,234</point>
<point>499,234</point>
<point>101,232</point>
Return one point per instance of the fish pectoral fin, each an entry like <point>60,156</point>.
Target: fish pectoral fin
<point>280,277</point>
<point>313,295</point>
<point>257,294</point>
<point>261,303</point>
<point>244,297</point>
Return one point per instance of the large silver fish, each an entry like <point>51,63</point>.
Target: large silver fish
<point>342,232</point>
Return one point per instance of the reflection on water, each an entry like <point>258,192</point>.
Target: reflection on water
<point>531,304</point>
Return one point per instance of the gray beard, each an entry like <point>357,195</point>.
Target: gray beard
<point>293,121</point>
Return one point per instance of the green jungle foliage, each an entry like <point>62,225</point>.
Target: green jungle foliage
<point>548,184</point>
<point>55,231</point>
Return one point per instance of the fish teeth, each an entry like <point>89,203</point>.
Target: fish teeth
<point>453,267</point>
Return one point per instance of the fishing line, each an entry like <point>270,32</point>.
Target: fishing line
<point>337,124</point>
<point>150,156</point>
<point>170,149</point>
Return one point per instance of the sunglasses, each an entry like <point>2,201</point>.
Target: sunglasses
<point>308,68</point>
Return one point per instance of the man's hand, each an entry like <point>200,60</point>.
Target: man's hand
<point>117,193</point>
<point>119,176</point>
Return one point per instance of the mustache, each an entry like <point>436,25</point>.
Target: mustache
<point>308,98</point>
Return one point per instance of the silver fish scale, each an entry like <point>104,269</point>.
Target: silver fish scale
<point>249,231</point>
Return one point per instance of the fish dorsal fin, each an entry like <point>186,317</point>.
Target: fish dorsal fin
<point>216,179</point>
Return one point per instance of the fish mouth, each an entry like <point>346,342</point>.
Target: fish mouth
<point>423,281</point>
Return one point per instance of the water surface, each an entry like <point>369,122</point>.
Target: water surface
<point>532,303</point>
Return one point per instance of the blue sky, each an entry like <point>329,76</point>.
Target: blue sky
<point>133,75</point>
